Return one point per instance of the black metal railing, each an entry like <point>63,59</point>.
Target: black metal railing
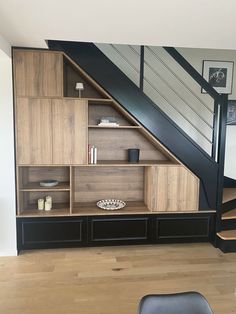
<point>197,124</point>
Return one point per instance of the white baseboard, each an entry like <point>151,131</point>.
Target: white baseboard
<point>8,253</point>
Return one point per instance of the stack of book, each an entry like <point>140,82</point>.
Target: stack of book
<point>92,154</point>
<point>108,122</point>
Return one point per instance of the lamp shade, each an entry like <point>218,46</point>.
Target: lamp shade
<point>79,86</point>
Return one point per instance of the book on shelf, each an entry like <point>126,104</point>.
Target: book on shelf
<point>108,121</point>
<point>92,154</point>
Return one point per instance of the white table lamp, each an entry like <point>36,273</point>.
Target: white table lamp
<point>79,87</point>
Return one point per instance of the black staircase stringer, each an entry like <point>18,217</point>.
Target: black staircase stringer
<point>124,91</point>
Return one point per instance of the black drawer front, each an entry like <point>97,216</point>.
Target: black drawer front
<point>50,233</point>
<point>119,230</point>
<point>183,229</point>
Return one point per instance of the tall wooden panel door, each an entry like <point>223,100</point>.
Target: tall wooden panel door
<point>70,124</point>
<point>38,73</point>
<point>171,189</point>
<point>34,131</point>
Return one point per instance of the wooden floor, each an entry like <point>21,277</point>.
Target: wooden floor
<point>112,280</point>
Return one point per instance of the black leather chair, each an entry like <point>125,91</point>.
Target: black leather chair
<point>179,303</point>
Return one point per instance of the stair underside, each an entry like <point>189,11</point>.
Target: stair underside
<point>227,234</point>
<point>229,194</point>
<point>229,215</point>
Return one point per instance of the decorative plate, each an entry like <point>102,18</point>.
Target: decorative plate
<point>111,204</point>
<point>48,183</point>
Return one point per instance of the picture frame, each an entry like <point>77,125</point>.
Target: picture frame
<point>219,74</point>
<point>231,112</point>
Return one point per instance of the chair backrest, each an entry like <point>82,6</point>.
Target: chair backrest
<point>179,303</point>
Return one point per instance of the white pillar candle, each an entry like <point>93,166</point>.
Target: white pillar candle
<point>49,199</point>
<point>48,206</point>
<point>40,204</point>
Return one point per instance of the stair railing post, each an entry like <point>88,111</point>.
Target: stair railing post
<point>223,102</point>
<point>215,130</point>
<point>141,72</point>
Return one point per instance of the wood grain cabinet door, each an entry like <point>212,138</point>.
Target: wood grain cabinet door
<point>38,73</point>
<point>70,123</point>
<point>171,189</point>
<point>34,131</point>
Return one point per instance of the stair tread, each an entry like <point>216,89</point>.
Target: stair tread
<point>229,194</point>
<point>231,214</point>
<point>227,234</point>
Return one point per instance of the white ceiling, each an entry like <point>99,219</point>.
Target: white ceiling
<point>179,23</point>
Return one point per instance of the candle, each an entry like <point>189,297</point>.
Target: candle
<point>49,199</point>
<point>48,206</point>
<point>40,204</point>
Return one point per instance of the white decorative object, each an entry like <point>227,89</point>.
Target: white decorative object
<point>95,155</point>
<point>48,183</point>
<point>40,204</point>
<point>108,122</point>
<point>49,199</point>
<point>111,204</point>
<point>79,87</point>
<point>48,206</point>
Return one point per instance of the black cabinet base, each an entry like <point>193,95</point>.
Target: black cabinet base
<point>59,232</point>
<point>40,233</point>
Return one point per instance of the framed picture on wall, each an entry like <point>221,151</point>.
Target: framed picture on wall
<point>219,74</point>
<point>231,113</point>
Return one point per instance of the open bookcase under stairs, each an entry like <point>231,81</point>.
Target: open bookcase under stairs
<point>30,190</point>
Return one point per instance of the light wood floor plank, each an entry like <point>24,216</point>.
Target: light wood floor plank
<point>113,279</point>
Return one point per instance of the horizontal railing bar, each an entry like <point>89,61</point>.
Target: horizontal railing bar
<point>181,81</point>
<point>164,97</point>
<point>192,72</point>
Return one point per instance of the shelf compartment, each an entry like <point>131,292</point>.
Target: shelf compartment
<point>72,75</point>
<point>97,111</point>
<point>113,144</point>
<point>91,209</point>
<point>30,177</point>
<point>91,184</point>
<point>29,202</point>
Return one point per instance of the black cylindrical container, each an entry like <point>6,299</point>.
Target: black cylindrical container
<point>133,154</point>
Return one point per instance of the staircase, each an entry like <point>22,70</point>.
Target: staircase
<point>226,238</point>
<point>143,98</point>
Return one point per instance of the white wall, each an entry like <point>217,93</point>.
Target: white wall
<point>178,23</point>
<point>7,173</point>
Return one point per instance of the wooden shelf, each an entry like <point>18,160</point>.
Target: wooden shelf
<point>57,210</point>
<point>115,127</point>
<point>92,209</point>
<point>35,186</point>
<point>141,163</point>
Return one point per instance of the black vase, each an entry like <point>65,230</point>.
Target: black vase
<point>133,155</point>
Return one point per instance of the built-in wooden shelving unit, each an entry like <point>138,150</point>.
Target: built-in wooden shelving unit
<point>53,130</point>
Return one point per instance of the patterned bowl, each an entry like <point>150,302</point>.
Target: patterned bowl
<point>111,204</point>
